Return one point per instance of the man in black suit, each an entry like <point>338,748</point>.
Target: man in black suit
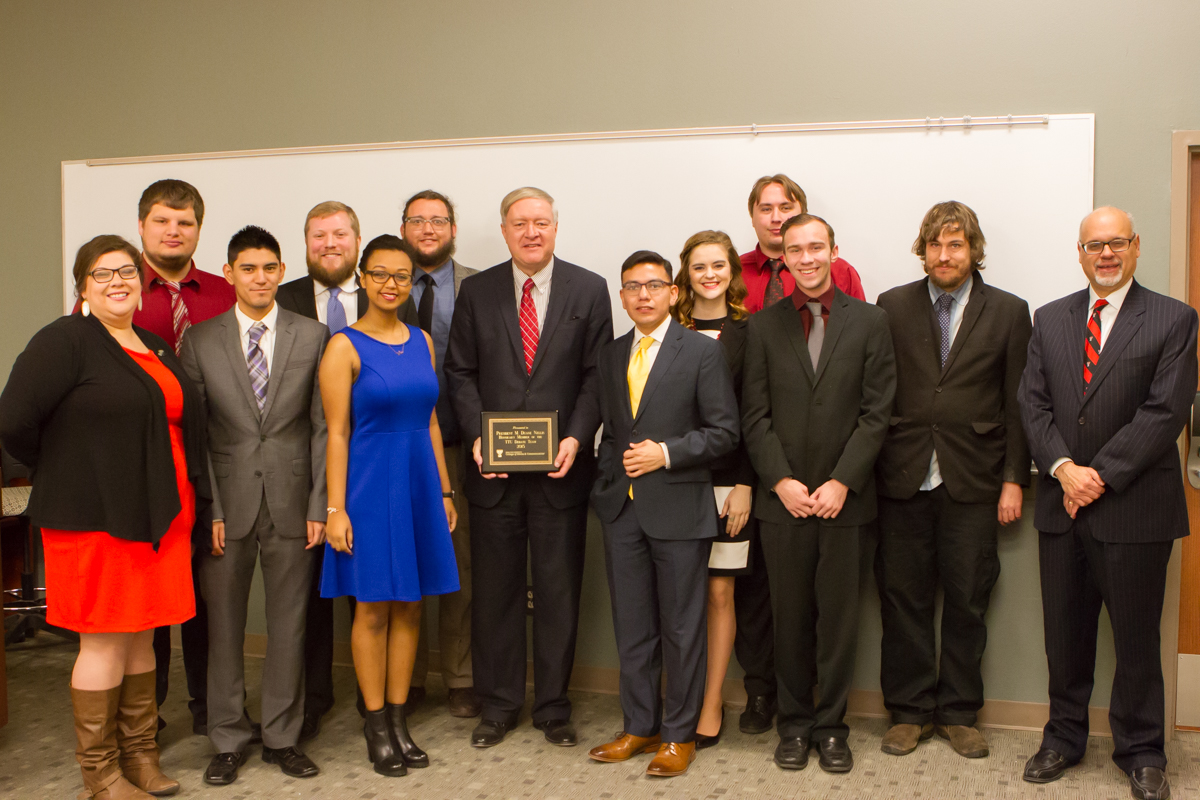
<point>526,336</point>
<point>1109,383</point>
<point>331,295</point>
<point>817,390</point>
<point>669,411</point>
<point>951,467</point>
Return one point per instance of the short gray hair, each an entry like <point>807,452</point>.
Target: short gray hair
<point>525,193</point>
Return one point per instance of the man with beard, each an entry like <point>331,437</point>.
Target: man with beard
<point>429,226</point>
<point>951,468</point>
<point>331,295</point>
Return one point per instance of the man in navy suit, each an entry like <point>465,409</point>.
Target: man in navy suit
<point>669,411</point>
<point>1108,385</point>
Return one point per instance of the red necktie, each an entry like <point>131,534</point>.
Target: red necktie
<point>180,320</point>
<point>774,292</point>
<point>529,325</point>
<point>1091,348</point>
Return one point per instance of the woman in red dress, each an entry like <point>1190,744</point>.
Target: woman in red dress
<point>103,414</point>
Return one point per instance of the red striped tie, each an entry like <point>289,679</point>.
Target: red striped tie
<point>180,320</point>
<point>1091,348</point>
<point>529,324</point>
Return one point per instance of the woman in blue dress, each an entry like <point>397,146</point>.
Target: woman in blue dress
<point>391,508</point>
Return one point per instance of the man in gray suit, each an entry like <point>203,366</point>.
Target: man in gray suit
<point>430,228</point>
<point>256,368</point>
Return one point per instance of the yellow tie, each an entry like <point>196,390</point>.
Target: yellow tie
<point>639,371</point>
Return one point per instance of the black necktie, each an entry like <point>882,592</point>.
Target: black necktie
<point>425,308</point>
<point>774,292</point>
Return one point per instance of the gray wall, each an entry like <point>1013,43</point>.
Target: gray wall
<point>91,80</point>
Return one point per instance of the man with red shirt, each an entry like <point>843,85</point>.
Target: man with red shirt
<point>774,199</point>
<point>175,296</point>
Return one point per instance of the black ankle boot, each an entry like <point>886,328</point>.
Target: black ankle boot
<point>413,756</point>
<point>381,745</point>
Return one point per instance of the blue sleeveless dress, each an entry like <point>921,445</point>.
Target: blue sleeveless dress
<point>401,548</point>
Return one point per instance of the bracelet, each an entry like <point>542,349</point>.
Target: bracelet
<point>448,495</point>
<point>331,510</point>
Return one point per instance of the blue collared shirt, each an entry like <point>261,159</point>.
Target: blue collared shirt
<point>443,312</point>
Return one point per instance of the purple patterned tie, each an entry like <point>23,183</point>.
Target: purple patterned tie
<point>256,359</point>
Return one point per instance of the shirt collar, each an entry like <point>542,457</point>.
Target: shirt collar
<point>150,277</point>
<point>1116,299</point>
<point>245,322</point>
<point>348,286</point>
<point>960,295</point>
<point>442,273</point>
<point>659,334</point>
<point>761,258</point>
<point>541,278</point>
<point>826,300</point>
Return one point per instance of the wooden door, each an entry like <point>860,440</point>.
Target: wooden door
<point>1188,688</point>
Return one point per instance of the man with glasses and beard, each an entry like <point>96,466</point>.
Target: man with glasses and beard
<point>429,226</point>
<point>331,295</point>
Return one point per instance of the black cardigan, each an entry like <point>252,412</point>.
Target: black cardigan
<point>734,467</point>
<point>92,426</point>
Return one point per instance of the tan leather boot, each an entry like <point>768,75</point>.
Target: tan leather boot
<point>96,746</point>
<point>137,722</point>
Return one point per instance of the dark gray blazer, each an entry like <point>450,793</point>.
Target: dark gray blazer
<point>688,404</point>
<point>967,408</point>
<point>816,425</point>
<point>1126,427</point>
<point>280,451</point>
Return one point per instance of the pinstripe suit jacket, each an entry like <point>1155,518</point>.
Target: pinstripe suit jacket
<point>1127,425</point>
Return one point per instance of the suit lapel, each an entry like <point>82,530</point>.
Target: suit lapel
<point>1074,338</point>
<point>975,304</point>
<point>794,327</point>
<point>1129,322</point>
<point>508,310</point>
<point>662,362</point>
<point>237,360</point>
<point>837,323</point>
<point>559,282</point>
<point>284,336</point>
<point>626,349</point>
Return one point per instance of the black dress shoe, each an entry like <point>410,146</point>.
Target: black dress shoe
<point>311,725</point>
<point>293,763</point>
<point>1046,765</point>
<point>835,754</point>
<point>792,752</point>
<point>223,768</point>
<point>558,732</point>
<point>759,713</point>
<point>703,741</point>
<point>1149,783</point>
<point>489,733</point>
<point>200,724</point>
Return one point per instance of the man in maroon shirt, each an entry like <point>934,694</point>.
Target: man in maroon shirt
<point>175,296</point>
<point>774,199</point>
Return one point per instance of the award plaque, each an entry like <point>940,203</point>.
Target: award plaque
<point>519,441</point>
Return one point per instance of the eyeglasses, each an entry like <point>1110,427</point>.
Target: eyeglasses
<point>1116,245</point>
<point>382,276</point>
<point>103,275</point>
<point>438,223</point>
<point>633,287</point>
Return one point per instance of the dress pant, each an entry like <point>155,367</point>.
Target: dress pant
<point>754,641</point>
<point>927,540</point>
<point>225,580</point>
<point>524,533</point>
<point>318,642</point>
<point>194,638</point>
<point>814,573</point>
<point>1079,573</point>
<point>454,609</point>
<point>658,589</point>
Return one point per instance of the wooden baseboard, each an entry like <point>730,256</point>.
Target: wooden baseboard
<point>1010,714</point>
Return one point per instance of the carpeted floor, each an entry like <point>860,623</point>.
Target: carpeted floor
<point>37,756</point>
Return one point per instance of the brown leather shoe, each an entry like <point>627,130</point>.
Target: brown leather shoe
<point>96,746</point>
<point>463,703</point>
<point>966,740</point>
<point>137,723</point>
<point>903,737</point>
<point>673,759</point>
<point>625,747</point>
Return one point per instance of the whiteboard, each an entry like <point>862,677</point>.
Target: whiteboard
<point>1030,186</point>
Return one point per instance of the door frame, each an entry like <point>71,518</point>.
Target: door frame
<point>1183,145</point>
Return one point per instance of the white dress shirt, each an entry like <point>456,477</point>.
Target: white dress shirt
<point>266,343</point>
<point>658,335</point>
<point>958,308</point>
<point>1108,317</point>
<point>541,289</point>
<point>348,298</point>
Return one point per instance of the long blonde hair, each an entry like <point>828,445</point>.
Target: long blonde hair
<point>735,295</point>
